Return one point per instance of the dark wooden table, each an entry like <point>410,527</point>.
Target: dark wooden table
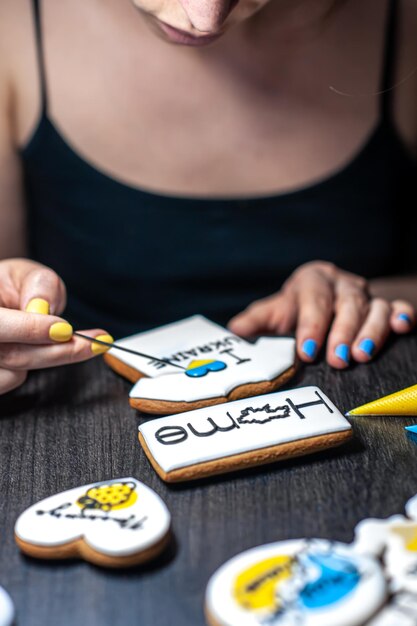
<point>73,425</point>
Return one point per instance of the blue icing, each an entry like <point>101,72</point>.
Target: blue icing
<point>338,577</point>
<point>202,370</point>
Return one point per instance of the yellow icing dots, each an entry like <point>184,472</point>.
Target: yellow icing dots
<point>109,497</point>
<point>255,588</point>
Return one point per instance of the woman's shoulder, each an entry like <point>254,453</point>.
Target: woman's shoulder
<point>404,80</point>
<point>16,25</point>
<point>17,36</point>
<point>19,75</point>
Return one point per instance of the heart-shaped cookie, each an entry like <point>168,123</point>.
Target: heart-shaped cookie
<point>117,523</point>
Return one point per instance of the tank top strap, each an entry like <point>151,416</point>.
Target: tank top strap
<point>40,55</point>
<point>388,68</point>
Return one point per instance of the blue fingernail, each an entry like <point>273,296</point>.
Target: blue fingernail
<point>403,317</point>
<point>310,348</point>
<point>367,346</point>
<point>342,351</point>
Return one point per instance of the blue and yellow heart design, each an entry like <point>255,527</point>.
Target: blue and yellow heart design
<point>196,369</point>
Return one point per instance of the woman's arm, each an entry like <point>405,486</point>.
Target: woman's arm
<point>325,305</point>
<point>32,296</point>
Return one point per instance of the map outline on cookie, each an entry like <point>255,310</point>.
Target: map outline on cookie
<point>245,433</point>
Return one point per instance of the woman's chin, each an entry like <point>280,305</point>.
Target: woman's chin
<point>180,37</point>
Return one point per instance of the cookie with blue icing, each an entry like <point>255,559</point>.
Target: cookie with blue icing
<point>210,365</point>
<point>305,582</point>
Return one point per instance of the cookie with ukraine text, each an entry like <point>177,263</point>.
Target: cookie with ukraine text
<point>304,582</point>
<point>242,434</point>
<point>116,523</point>
<point>210,365</point>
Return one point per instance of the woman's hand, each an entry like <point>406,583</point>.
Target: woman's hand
<point>32,336</point>
<point>320,300</point>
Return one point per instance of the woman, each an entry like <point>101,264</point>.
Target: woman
<point>197,156</point>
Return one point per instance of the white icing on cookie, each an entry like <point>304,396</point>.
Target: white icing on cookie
<point>116,518</point>
<point>371,535</point>
<point>411,508</point>
<point>6,608</point>
<point>246,363</point>
<point>395,540</point>
<point>400,557</point>
<point>296,583</point>
<point>232,428</point>
<point>197,339</point>
<point>401,611</point>
<point>181,342</point>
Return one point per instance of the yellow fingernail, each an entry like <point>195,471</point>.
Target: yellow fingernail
<point>60,331</point>
<point>98,348</point>
<point>38,305</point>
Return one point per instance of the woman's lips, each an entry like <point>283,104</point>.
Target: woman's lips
<point>181,37</point>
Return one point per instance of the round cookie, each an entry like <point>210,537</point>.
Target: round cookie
<point>304,582</point>
<point>117,523</point>
<point>6,608</point>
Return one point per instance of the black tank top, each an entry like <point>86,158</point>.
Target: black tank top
<point>132,260</point>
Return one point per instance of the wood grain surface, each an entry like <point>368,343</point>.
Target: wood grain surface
<point>72,426</point>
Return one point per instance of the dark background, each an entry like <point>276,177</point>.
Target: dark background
<point>72,426</point>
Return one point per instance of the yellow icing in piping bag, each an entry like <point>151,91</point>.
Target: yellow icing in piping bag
<point>403,402</point>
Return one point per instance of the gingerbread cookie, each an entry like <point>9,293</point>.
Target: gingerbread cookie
<point>6,608</point>
<point>244,433</point>
<point>117,523</point>
<point>215,366</point>
<point>305,582</point>
<point>394,540</point>
<point>371,534</point>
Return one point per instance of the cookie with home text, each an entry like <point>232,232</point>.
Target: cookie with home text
<point>248,432</point>
<point>117,523</point>
<point>207,365</point>
<point>303,582</point>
